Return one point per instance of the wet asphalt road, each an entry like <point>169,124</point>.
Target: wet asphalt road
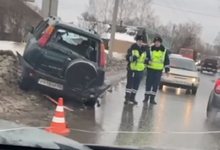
<point>177,121</point>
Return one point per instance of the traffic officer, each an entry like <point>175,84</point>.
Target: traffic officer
<point>137,56</point>
<point>159,61</point>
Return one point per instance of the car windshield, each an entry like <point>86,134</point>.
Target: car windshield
<point>182,64</point>
<point>128,73</point>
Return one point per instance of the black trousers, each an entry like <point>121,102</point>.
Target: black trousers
<point>152,81</point>
<point>133,81</point>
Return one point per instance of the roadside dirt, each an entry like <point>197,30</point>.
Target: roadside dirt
<point>29,108</point>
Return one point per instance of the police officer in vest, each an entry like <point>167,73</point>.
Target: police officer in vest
<point>138,56</point>
<point>159,61</point>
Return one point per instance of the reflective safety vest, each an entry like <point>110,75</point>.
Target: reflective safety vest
<point>138,65</point>
<point>157,60</point>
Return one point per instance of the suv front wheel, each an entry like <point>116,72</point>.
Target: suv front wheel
<point>91,102</point>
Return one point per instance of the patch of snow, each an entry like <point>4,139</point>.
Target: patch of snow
<point>105,35</point>
<point>116,55</point>
<point>119,36</point>
<point>124,37</point>
<point>13,46</point>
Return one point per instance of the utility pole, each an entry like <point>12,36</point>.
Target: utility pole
<point>49,8</point>
<point>113,28</point>
<point>172,37</point>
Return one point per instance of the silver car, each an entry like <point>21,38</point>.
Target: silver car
<point>183,74</point>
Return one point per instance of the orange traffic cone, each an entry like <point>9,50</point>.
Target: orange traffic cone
<point>58,124</point>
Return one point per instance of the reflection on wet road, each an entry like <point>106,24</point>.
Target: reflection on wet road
<point>168,124</point>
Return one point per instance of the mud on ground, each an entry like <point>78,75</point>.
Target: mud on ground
<point>29,108</point>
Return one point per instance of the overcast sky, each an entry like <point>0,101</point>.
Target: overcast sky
<point>205,12</point>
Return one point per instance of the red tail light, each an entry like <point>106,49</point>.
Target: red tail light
<point>46,36</point>
<point>217,86</point>
<point>102,61</point>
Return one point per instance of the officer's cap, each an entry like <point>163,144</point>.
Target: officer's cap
<point>139,37</point>
<point>158,39</point>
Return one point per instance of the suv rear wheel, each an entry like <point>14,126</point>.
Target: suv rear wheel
<point>25,83</point>
<point>91,102</point>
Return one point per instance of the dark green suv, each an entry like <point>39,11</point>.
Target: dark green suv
<point>64,59</point>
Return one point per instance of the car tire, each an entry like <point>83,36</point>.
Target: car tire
<point>91,102</point>
<point>25,84</point>
<point>194,90</point>
<point>187,91</point>
<point>211,113</point>
<point>86,74</point>
<point>161,86</point>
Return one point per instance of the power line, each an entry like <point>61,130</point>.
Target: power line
<point>186,10</point>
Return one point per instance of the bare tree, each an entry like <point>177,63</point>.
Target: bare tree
<point>184,35</point>
<point>131,12</point>
<point>217,39</point>
<point>217,44</point>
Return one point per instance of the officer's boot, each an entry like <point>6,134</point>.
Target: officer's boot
<point>132,98</point>
<point>127,97</point>
<point>152,100</point>
<point>146,98</point>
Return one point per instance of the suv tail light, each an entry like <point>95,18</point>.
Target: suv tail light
<point>102,61</point>
<point>46,36</point>
<point>217,86</point>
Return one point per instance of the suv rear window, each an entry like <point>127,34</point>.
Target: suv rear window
<point>78,43</point>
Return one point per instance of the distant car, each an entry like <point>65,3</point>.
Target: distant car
<point>213,106</point>
<point>183,74</point>
<point>209,65</point>
<point>64,59</point>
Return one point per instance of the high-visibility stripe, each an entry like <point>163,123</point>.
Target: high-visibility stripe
<point>134,91</point>
<point>128,90</point>
<point>148,92</point>
<point>153,93</point>
<point>60,109</point>
<point>58,120</point>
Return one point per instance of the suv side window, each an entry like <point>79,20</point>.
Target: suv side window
<point>40,28</point>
